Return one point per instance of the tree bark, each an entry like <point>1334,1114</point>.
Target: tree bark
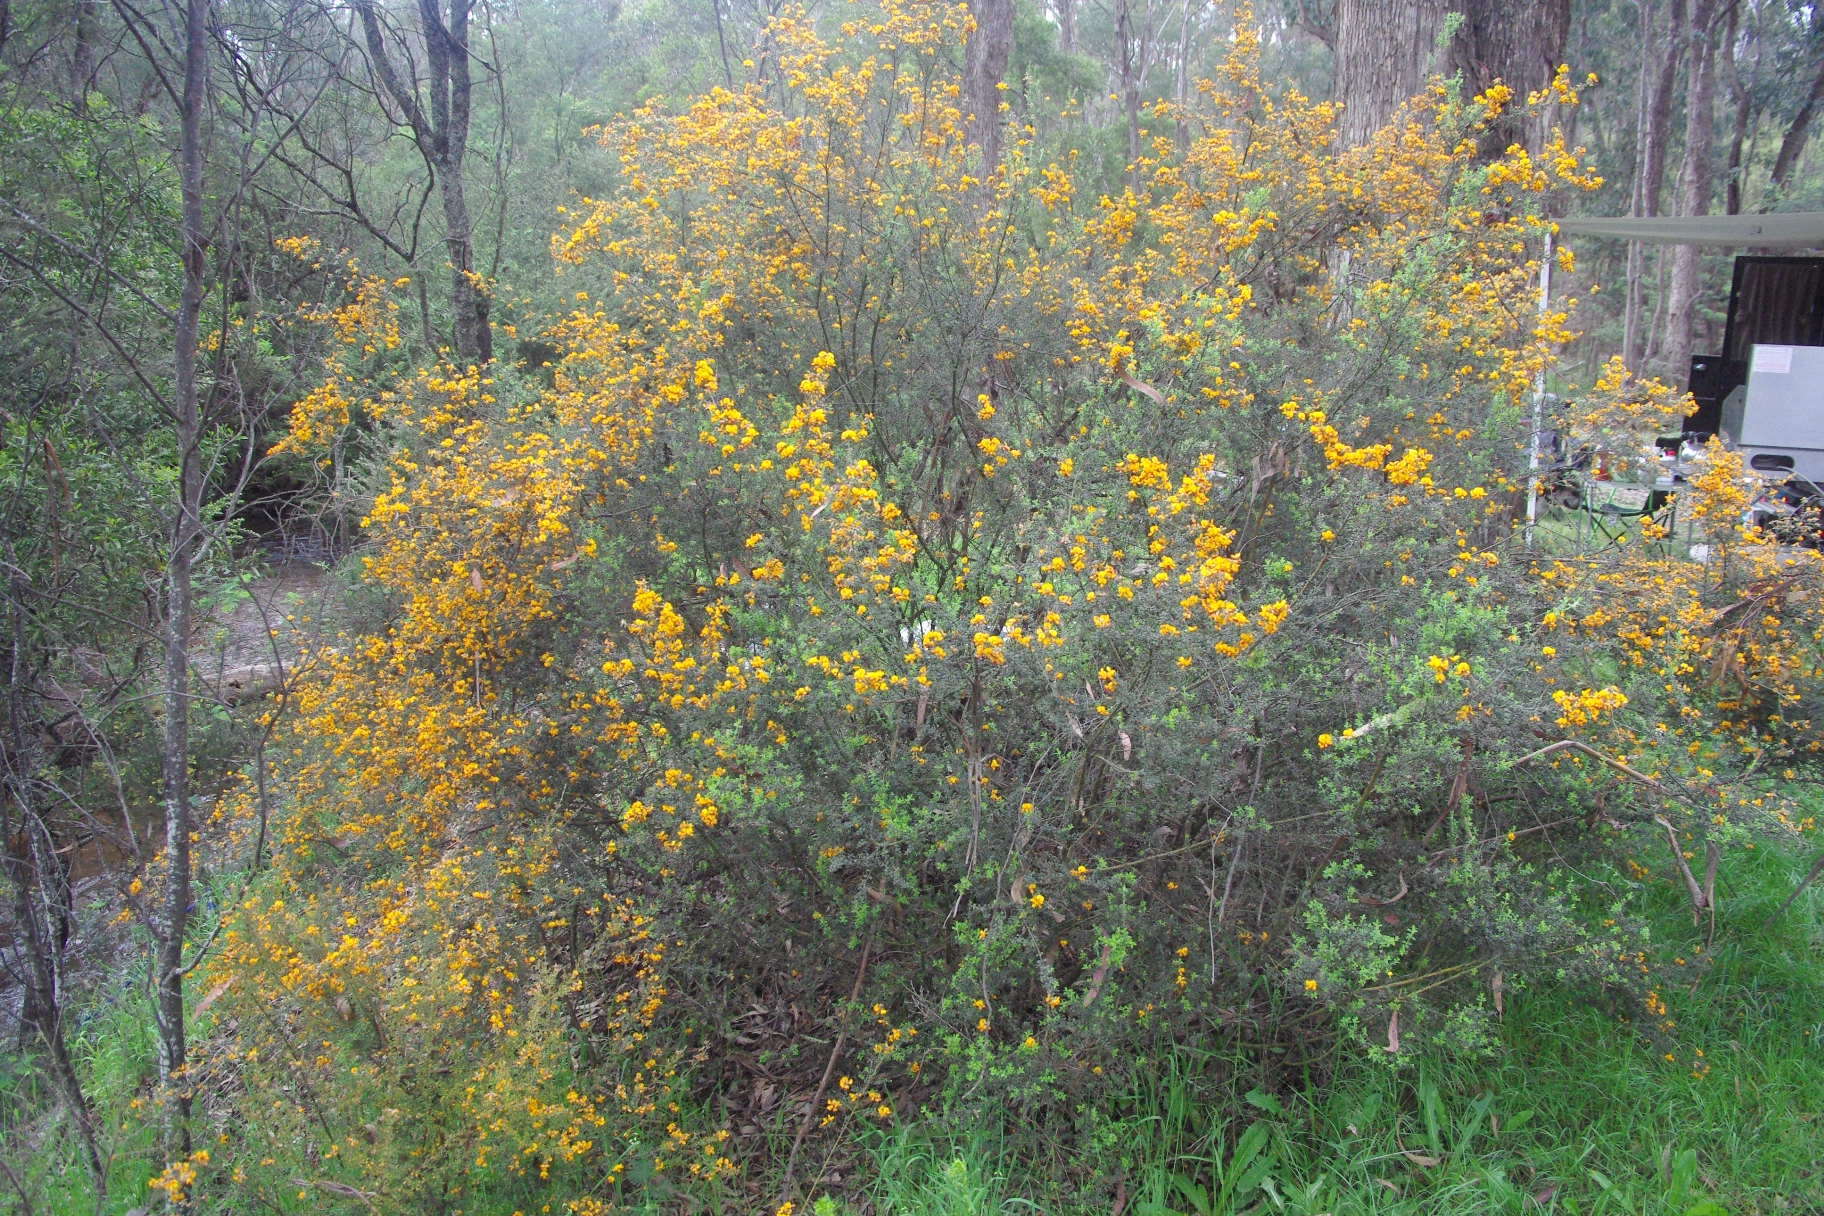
<point>728,73</point>
<point>984,67</point>
<point>82,53</point>
<point>1181,73</point>
<point>441,132</point>
<point>1386,51</point>
<point>179,596</point>
<point>1067,25</point>
<point>1694,183</point>
<point>1650,163</point>
<point>1520,44</point>
<point>1742,104</point>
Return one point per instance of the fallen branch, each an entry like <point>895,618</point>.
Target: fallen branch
<point>829,1070</point>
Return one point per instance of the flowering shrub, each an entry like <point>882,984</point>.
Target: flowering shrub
<point>946,632</point>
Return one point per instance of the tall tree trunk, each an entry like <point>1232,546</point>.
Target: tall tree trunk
<point>1181,78</point>
<point>179,597</point>
<point>1127,56</point>
<point>1650,163</point>
<point>452,91</point>
<point>984,67</point>
<point>1067,25</point>
<point>1520,44</point>
<point>728,73</point>
<point>82,53</point>
<point>440,127</point>
<point>1386,50</point>
<point>1694,180</point>
<point>1742,106</point>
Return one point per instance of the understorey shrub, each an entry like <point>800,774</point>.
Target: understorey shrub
<point>951,633</point>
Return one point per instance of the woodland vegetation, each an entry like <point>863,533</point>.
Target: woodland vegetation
<point>890,605</point>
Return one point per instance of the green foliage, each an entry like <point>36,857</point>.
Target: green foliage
<point>1074,614</point>
<point>1573,1115</point>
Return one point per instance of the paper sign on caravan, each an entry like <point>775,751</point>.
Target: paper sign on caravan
<point>1772,360</point>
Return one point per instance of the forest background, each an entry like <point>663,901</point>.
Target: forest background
<point>724,606</point>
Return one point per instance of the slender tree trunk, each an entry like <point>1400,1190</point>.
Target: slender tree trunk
<point>1067,25</point>
<point>179,597</point>
<point>1650,165</point>
<point>1127,54</point>
<point>728,73</point>
<point>28,864</point>
<point>1743,109</point>
<point>1181,82</point>
<point>452,91</point>
<point>984,67</point>
<point>1693,184</point>
<point>441,132</point>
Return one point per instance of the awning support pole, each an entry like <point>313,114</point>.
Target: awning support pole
<point>1532,458</point>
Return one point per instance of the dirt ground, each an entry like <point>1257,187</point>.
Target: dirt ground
<point>249,641</point>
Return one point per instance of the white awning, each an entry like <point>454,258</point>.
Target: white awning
<point>1787,230</point>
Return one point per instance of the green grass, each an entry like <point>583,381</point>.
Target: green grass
<point>1578,1113</point>
<point>113,1045</point>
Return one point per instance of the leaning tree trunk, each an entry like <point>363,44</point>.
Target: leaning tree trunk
<point>1793,142</point>
<point>1694,176</point>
